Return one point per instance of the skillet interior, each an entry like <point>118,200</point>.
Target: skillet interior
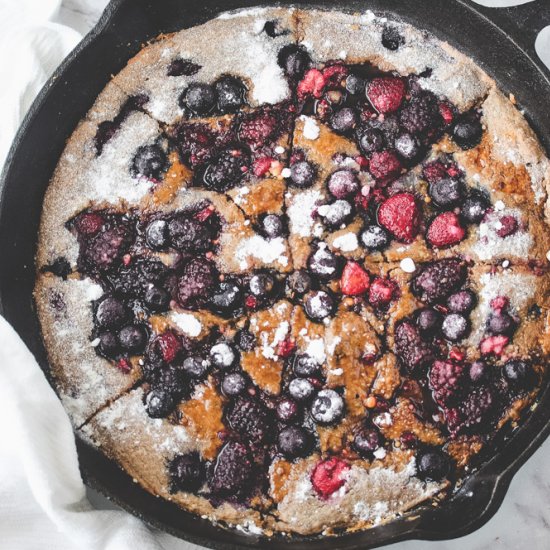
<point>65,99</point>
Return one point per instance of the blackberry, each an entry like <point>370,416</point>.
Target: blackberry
<point>421,114</point>
<point>134,279</point>
<point>106,250</point>
<point>226,170</point>
<point>413,352</point>
<point>233,472</point>
<point>249,419</point>
<point>438,279</point>
<point>446,380</point>
<point>195,283</point>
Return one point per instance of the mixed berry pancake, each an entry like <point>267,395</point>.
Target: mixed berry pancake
<point>293,270</point>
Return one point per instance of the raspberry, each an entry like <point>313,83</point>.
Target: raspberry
<point>447,112</point>
<point>508,226</point>
<point>400,215</point>
<point>445,230</point>
<point>286,347</point>
<point>493,344</point>
<point>124,365</point>
<point>499,303</point>
<point>385,165</point>
<point>328,476</point>
<point>258,128</point>
<point>439,279</point>
<point>168,344</point>
<point>261,166</point>
<point>445,380</point>
<point>413,352</point>
<point>434,171</point>
<point>386,94</point>
<point>89,223</point>
<point>355,280</point>
<point>313,84</point>
<point>382,292</point>
<point>334,74</point>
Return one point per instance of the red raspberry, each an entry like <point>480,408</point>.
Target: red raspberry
<point>445,230</point>
<point>386,94</point>
<point>328,476</point>
<point>258,128</point>
<point>385,166</point>
<point>434,171</point>
<point>447,112</point>
<point>250,302</point>
<point>261,166</point>
<point>313,84</point>
<point>493,344</point>
<point>509,226</point>
<point>445,380</point>
<point>499,303</point>
<point>205,213</point>
<point>456,355</point>
<point>286,347</point>
<point>334,74</point>
<point>355,280</point>
<point>169,345</point>
<point>89,223</point>
<point>361,202</point>
<point>382,292</point>
<point>400,215</point>
<point>124,365</point>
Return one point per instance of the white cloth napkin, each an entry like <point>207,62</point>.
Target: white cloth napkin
<point>43,501</point>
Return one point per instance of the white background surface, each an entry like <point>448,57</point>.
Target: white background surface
<point>38,510</point>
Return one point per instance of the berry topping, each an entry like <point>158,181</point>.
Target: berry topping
<point>294,441</point>
<point>159,403</point>
<point>439,279</point>
<point>305,366</point>
<point>230,92</point>
<point>226,170</point>
<point>494,344</point>
<point>196,282</point>
<point>187,472</point>
<point>324,263</point>
<point>455,327</point>
<point>407,146</point>
<point>328,476</point>
<point>343,120</point>
<point>421,114</point>
<point>233,384</point>
<point>508,226</point>
<point>196,143</point>
<point>386,94</point>
<point>445,230</point>
<point>313,84</point>
<point>89,223</point>
<point>156,234</point>
<point>245,340</point>
<point>467,133</point>
<point>302,174</point>
<point>446,192</point>
<point>413,352</point>
<point>168,344</point>
<point>391,38</point>
<point>478,371</point>
<point>222,355</point>
<point>299,282</point>
<point>432,465</point>
<point>195,366</point>
<point>318,305</point>
<point>133,338</point>
<point>189,235</point>
<point>107,248</point>
<point>287,410</point>
<point>501,322</point>
<point>371,140</point>
<point>385,165</point>
<point>294,60</point>
<point>111,313</point>
<point>150,162</point>
<point>474,207</point>
<point>355,280</point>
<point>462,301</point>
<point>518,372</point>
<point>434,171</point>
<point>400,215</point>
<point>474,410</point>
<point>273,226</point>
<point>343,183</point>
<point>182,67</point>
<point>382,292</point>
<point>366,441</point>
<point>262,285</point>
<point>327,407</point>
<point>336,214</point>
<point>301,389</point>
<point>428,321</point>
<point>259,127</point>
<point>355,85</point>
<point>108,345</point>
<point>226,298</point>
<point>249,419</point>
<point>233,471</point>
<point>199,98</point>
<point>375,238</point>
<point>446,379</point>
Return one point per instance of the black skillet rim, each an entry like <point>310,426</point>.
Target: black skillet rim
<point>493,478</point>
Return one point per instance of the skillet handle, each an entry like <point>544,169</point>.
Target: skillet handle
<point>522,23</point>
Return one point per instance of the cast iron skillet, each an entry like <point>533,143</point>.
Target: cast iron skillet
<point>501,41</point>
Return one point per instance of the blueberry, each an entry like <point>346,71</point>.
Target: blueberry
<point>301,389</point>
<point>305,366</point>
<point>474,207</point>
<point>187,472</point>
<point>159,403</point>
<point>273,226</point>
<point>446,192</point>
<point>371,140</point>
<point>156,234</point>
<point>478,371</point>
<point>157,299</point>
<point>262,285</point>
<point>222,355</point>
<point>366,441</point>
<point>455,327</point>
<point>343,120</point>
<point>272,29</point>
<point>375,237</point>
<point>302,174</point>
<point>230,92</point>
<point>133,338</point>
<point>407,146</point>
<point>327,407</point>
<point>501,323</point>
<point>355,85</point>
<point>199,98</point>
<point>518,372</point>
<point>391,38</point>
<point>343,183</point>
<point>294,60</point>
<point>287,410</point>
<point>461,302</point>
<point>227,297</point>
<point>432,465</point>
<point>294,441</point>
<point>111,313</point>
<point>336,214</point>
<point>108,345</point>
<point>318,305</point>
<point>299,282</point>
<point>428,321</point>
<point>182,67</point>
<point>195,366</point>
<point>233,384</point>
<point>149,161</point>
<point>467,133</point>
<point>245,340</point>
<point>189,235</point>
<point>59,267</point>
<point>324,264</point>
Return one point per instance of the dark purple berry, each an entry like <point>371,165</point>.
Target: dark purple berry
<point>133,338</point>
<point>233,384</point>
<point>273,30</point>
<point>294,441</point>
<point>455,327</point>
<point>249,419</point>
<point>196,282</point>
<point>196,366</point>
<point>305,366</point>
<point>157,299</point>
<point>391,38</point>
<point>230,92</point>
<point>294,60</point>
<point>245,340</point>
<point>478,371</point>
<point>327,407</point>
<point>156,234</point>
<point>432,465</point>
<point>518,372</point>
<point>366,441</point>
<point>343,183</point>
<point>375,238</point>
<point>59,267</point>
<point>227,297</point>
<point>467,133</point>
<point>413,352</point>
<point>371,140</point>
<point>299,282</point>
<point>107,248</point>
<point>182,67</point>
<point>150,162</point>
<point>287,410</point>
<point>407,146</point>
<point>233,470</point>
<point>301,389</point>
<point>343,120</point>
<point>222,355</point>
<point>474,207</point>
<point>428,321</point>
<point>273,226</point>
<point>355,85</point>
<point>199,98</point>
<point>446,192</point>
<point>421,114</point>
<point>318,305</point>
<point>159,403</point>
<point>324,264</point>
<point>336,214</point>
<point>111,313</point>
<point>189,235</point>
<point>262,285</point>
<point>226,170</point>
<point>462,301</point>
<point>302,174</point>
<point>501,323</point>
<point>187,472</point>
<point>438,279</point>
<point>108,345</point>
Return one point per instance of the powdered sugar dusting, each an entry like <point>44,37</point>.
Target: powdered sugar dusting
<point>187,323</point>
<point>301,210</point>
<point>346,243</point>
<point>267,251</point>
